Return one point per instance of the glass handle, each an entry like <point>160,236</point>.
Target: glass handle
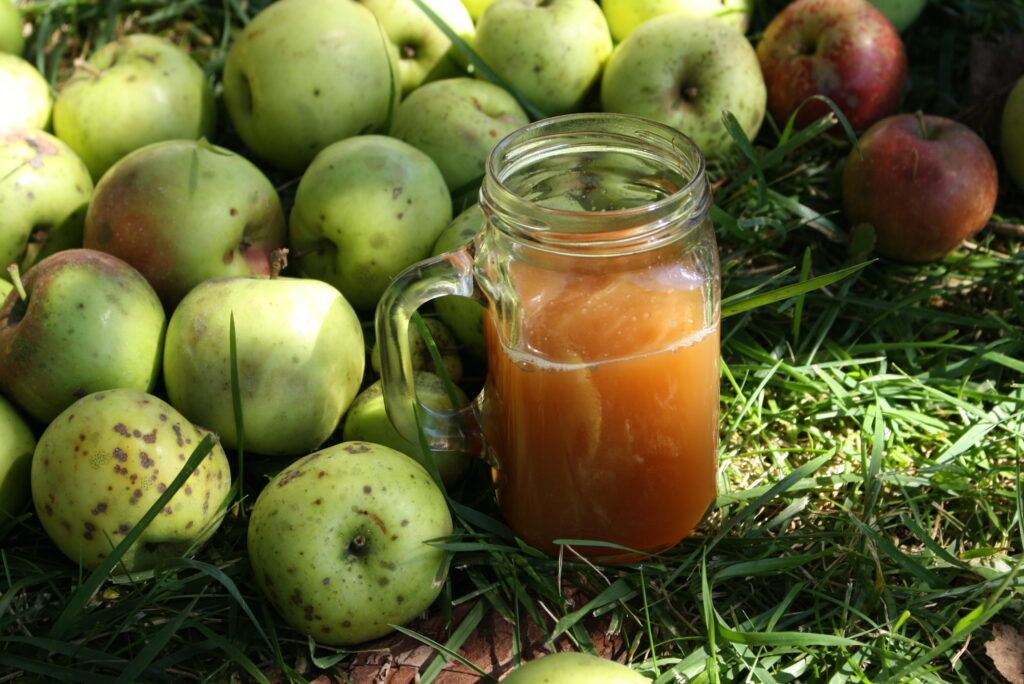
<point>450,273</point>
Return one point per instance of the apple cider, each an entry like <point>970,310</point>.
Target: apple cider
<point>598,271</point>
<point>604,418</point>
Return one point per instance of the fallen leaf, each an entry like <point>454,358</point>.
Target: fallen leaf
<point>1006,649</point>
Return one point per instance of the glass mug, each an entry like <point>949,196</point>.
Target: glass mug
<point>598,269</point>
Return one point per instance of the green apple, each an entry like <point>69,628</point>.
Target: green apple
<point>27,100</point>
<point>463,316</point>
<point>134,91</point>
<point>420,43</point>
<point>476,7</point>
<point>551,52</point>
<point>6,287</point>
<point>301,357</point>
<point>685,72</point>
<point>625,15</point>
<point>105,460</point>
<point>89,322</point>
<point>12,40</point>
<point>306,73</point>
<point>569,667</point>
<point>44,193</point>
<point>367,208</point>
<point>445,342</point>
<point>337,542</point>
<point>1011,138</point>
<point>367,420</point>
<point>17,442</point>
<point>902,13</point>
<point>215,215</point>
<point>457,121</point>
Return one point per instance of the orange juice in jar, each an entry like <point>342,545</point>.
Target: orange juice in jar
<point>599,272</point>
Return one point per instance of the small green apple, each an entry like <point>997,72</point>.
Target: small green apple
<point>902,13</point>
<point>463,316</point>
<point>44,194</point>
<point>457,122</point>
<point>216,214</point>
<point>421,44</point>
<point>134,91</point>
<point>337,542</point>
<point>1011,138</point>
<point>27,100</point>
<point>367,208</point>
<point>551,52</point>
<point>301,357</point>
<point>16,446</point>
<point>574,668</point>
<point>306,73</point>
<point>367,420</point>
<point>625,15</point>
<point>105,460</point>
<point>12,40</point>
<point>444,340</point>
<point>685,72</point>
<point>90,322</point>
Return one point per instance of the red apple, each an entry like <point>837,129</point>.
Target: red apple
<point>186,211</point>
<point>846,50</point>
<point>924,182</point>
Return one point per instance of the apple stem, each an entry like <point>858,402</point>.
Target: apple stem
<point>80,63</point>
<point>278,262</point>
<point>357,547</point>
<point>16,279</point>
<point>925,133</point>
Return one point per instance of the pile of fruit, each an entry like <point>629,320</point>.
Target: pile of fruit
<point>165,308</point>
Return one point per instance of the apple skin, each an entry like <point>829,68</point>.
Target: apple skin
<point>420,44</point>
<point>568,667</point>
<point>684,71</point>
<point>463,316</point>
<point>44,193</point>
<point>27,100</point>
<point>336,542</point>
<point>17,443</point>
<point>457,122</point>
<point>301,357</point>
<point>105,460</point>
<point>476,7</point>
<point>924,190</point>
<point>902,13</point>
<point>1011,134</point>
<point>137,90</point>
<point>846,50</point>
<point>12,39</point>
<point>551,52</point>
<point>367,420</point>
<point>367,208</point>
<point>91,323</point>
<point>306,73</point>
<point>216,215</point>
<point>625,15</point>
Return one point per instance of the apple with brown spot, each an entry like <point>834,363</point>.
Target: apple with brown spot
<point>216,214</point>
<point>101,464</point>
<point>83,321</point>
<point>338,542</point>
<point>926,183</point>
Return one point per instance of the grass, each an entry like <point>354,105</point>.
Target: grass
<point>870,523</point>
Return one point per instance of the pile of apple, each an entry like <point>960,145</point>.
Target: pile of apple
<point>137,245</point>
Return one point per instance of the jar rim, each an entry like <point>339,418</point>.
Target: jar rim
<point>500,165</point>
